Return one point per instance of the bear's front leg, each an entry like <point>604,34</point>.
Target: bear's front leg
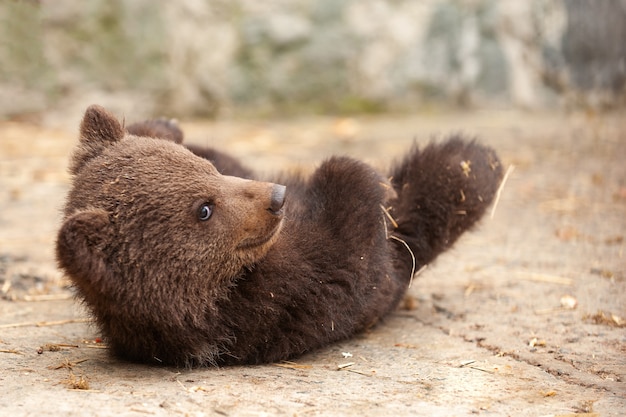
<point>347,197</point>
<point>168,129</point>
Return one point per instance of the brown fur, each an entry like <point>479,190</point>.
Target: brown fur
<point>256,282</point>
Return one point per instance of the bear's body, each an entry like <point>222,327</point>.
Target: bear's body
<point>183,265</point>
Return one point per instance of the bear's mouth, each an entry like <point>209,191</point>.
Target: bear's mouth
<point>257,241</point>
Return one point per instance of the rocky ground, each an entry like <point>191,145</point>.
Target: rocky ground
<point>525,317</point>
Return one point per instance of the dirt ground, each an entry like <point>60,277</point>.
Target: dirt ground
<point>526,316</point>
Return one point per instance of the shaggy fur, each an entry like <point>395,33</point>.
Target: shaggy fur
<point>258,281</point>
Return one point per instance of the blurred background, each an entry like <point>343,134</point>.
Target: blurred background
<point>203,59</point>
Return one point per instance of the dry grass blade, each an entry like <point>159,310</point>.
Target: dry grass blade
<point>465,363</point>
<point>344,365</point>
<point>578,415</point>
<point>489,371</point>
<point>406,245</point>
<point>347,367</point>
<point>418,272</point>
<point>66,364</point>
<point>549,310</point>
<point>43,323</point>
<point>182,385</point>
<point>140,410</point>
<point>292,365</point>
<point>356,371</point>
<point>388,215</point>
<point>508,172</point>
<point>551,279</point>
<point>470,289</point>
<point>47,297</point>
<point>14,351</point>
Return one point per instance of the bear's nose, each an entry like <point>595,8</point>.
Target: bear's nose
<point>278,198</point>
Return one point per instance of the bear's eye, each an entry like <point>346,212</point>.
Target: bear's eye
<point>205,211</point>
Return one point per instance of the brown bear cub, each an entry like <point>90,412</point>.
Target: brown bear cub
<point>192,260</point>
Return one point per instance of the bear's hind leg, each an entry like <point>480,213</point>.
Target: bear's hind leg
<point>443,190</point>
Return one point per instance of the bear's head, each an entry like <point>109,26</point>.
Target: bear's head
<point>153,235</point>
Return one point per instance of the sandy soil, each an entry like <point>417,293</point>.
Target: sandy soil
<point>525,317</point>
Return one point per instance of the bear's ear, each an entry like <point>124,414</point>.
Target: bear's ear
<point>79,246</point>
<point>98,130</point>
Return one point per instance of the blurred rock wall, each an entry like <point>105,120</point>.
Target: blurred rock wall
<point>200,57</point>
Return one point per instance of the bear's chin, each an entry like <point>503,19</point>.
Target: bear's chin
<point>259,241</point>
<point>251,250</point>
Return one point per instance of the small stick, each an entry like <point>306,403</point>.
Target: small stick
<point>508,172</point>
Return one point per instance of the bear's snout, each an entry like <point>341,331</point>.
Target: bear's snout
<point>277,200</point>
